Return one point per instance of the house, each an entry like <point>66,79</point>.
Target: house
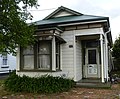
<point>7,63</point>
<point>70,44</point>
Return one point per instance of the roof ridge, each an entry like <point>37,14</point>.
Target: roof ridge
<point>62,8</point>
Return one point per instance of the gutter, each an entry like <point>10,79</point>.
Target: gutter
<point>77,23</point>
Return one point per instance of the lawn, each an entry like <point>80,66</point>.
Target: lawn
<point>74,93</point>
<point>2,90</point>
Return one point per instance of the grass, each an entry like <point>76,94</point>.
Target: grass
<point>116,72</point>
<point>1,82</point>
<point>60,95</point>
<point>2,90</point>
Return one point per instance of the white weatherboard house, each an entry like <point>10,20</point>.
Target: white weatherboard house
<point>70,44</point>
<point>7,63</point>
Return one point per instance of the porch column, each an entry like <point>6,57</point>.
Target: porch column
<point>53,54</point>
<point>106,56</point>
<point>102,57</point>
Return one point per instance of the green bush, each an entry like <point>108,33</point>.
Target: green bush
<point>43,84</point>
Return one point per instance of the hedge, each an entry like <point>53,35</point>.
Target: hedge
<point>43,84</point>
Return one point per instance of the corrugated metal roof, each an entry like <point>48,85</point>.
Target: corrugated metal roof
<point>69,19</point>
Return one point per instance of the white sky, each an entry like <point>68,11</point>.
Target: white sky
<point>108,8</point>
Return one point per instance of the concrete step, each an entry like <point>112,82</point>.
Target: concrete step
<point>93,85</point>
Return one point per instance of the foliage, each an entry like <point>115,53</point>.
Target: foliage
<point>14,30</point>
<point>116,53</point>
<point>116,48</point>
<point>43,84</point>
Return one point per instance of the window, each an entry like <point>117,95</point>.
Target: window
<point>57,55</point>
<point>4,61</point>
<point>92,57</point>
<point>39,56</point>
<point>44,54</point>
<point>28,58</point>
<point>90,44</point>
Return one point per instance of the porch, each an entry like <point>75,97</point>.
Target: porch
<point>92,83</point>
<point>94,56</point>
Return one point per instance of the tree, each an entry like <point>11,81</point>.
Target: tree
<point>14,30</point>
<point>116,53</point>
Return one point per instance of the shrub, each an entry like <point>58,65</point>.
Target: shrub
<point>43,84</point>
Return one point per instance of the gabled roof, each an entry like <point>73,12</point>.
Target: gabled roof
<point>64,15</point>
<point>70,19</point>
<point>61,9</point>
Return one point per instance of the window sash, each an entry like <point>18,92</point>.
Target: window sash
<point>28,58</point>
<point>57,55</point>
<point>44,61</point>
<point>28,62</point>
<point>44,55</point>
<point>4,61</point>
<point>39,56</point>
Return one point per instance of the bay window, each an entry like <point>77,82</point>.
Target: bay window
<point>39,56</point>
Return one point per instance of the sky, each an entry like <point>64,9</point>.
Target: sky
<point>107,8</point>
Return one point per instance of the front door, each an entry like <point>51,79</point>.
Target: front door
<point>91,63</point>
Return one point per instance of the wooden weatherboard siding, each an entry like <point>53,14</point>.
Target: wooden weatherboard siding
<point>78,60</point>
<point>67,53</point>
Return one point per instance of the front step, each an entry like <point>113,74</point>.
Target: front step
<point>93,85</point>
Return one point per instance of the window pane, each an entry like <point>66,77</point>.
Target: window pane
<point>44,48</point>
<point>57,56</point>
<point>4,62</point>
<point>44,62</point>
<point>28,50</point>
<point>91,56</point>
<point>29,62</point>
<point>44,55</point>
<point>92,44</point>
<point>57,62</point>
<point>28,57</point>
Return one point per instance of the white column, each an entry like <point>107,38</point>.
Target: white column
<point>53,54</point>
<point>102,59</point>
<point>106,56</point>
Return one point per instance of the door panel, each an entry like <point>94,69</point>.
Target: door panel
<point>92,69</point>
